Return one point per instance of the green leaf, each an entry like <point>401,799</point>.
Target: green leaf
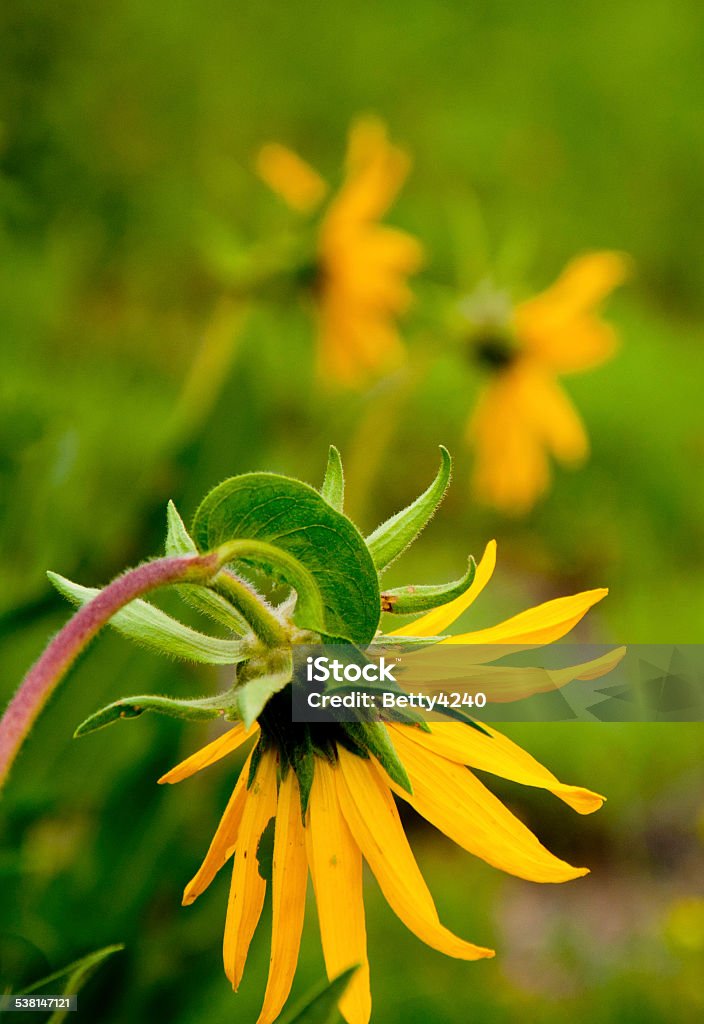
<point>289,516</point>
<point>222,705</point>
<point>408,600</point>
<point>320,1005</point>
<point>153,628</point>
<point>259,680</point>
<point>179,542</point>
<point>392,538</point>
<point>333,489</point>
<point>76,975</point>
<point>374,737</point>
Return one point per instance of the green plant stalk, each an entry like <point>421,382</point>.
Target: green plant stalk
<point>262,620</point>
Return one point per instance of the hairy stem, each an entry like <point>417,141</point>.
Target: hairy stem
<point>252,607</point>
<point>46,673</point>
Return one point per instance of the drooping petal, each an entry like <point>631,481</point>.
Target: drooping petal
<point>290,177</point>
<point>500,756</point>
<point>336,869</point>
<point>290,875</point>
<point>211,753</point>
<point>557,422</point>
<point>371,814</point>
<point>223,842</point>
<point>439,619</point>
<point>511,469</point>
<point>540,625</point>
<point>454,800</point>
<point>248,888</point>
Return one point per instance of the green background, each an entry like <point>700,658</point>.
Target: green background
<point>127,136</point>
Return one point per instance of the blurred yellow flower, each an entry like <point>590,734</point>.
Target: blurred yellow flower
<point>523,415</point>
<point>351,815</point>
<point>362,265</point>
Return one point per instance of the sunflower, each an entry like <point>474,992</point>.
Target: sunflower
<point>349,815</point>
<point>361,265</point>
<point>330,786</point>
<point>523,415</point>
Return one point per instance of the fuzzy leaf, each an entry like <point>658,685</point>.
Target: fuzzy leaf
<point>407,600</point>
<point>278,513</point>
<point>392,538</point>
<point>320,1005</point>
<point>179,542</point>
<point>333,489</point>
<point>223,705</point>
<point>153,628</point>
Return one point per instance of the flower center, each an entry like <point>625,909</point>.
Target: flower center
<point>493,350</point>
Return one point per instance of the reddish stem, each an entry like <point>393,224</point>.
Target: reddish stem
<point>45,674</point>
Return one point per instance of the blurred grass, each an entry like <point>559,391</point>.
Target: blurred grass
<point>127,133</point>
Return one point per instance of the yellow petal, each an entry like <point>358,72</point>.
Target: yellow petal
<point>437,621</point>
<point>290,177</point>
<point>223,842</point>
<point>247,888</point>
<point>540,625</point>
<point>454,800</point>
<point>211,753</point>
<point>375,171</point>
<point>511,469</point>
<point>497,754</point>
<point>371,814</point>
<point>336,869</point>
<point>556,421</point>
<point>290,875</point>
<point>588,279</point>
<point>561,326</point>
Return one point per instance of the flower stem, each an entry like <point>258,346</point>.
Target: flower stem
<point>46,673</point>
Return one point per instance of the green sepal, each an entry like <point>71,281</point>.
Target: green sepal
<point>153,628</point>
<point>461,716</point>
<point>384,642</point>
<point>409,600</point>
<point>320,1005</point>
<point>258,680</point>
<point>303,763</point>
<point>374,737</point>
<point>346,739</point>
<point>223,705</point>
<point>392,538</point>
<point>285,515</point>
<point>179,542</point>
<point>333,489</point>
<point>255,759</point>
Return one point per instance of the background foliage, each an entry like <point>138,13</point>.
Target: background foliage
<point>127,133</point>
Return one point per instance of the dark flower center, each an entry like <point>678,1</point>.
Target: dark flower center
<point>493,350</point>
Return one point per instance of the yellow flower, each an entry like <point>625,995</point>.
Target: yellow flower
<point>351,816</point>
<point>362,265</point>
<point>523,415</point>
